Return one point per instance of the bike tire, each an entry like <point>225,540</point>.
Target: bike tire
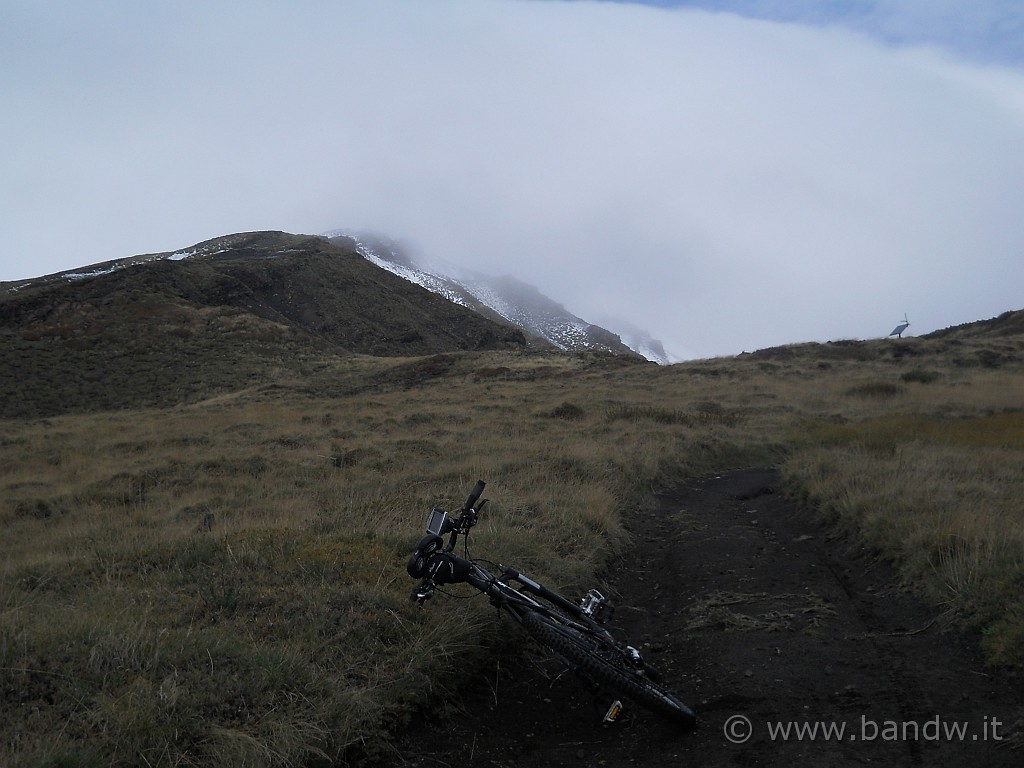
<point>581,652</point>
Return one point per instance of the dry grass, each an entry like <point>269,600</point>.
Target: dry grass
<point>224,582</point>
<point>941,496</point>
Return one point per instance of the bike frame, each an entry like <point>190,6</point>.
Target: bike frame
<point>516,601</point>
<point>443,566</point>
<point>448,568</point>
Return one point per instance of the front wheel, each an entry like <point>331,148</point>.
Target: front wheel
<point>583,652</point>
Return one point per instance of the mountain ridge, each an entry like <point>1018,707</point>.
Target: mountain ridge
<point>503,298</point>
<point>164,328</point>
<point>253,309</point>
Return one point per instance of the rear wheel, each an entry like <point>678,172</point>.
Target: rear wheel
<point>606,667</point>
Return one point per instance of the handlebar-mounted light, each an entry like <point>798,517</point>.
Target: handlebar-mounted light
<point>417,565</point>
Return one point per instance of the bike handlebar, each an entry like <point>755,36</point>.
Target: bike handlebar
<point>441,566</point>
<point>474,494</point>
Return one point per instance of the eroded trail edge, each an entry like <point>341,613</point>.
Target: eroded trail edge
<point>790,641</point>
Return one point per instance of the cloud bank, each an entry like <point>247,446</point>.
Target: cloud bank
<point>726,182</point>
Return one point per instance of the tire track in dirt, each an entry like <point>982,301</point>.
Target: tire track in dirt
<point>758,617</point>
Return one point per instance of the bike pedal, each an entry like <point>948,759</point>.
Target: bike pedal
<point>613,712</point>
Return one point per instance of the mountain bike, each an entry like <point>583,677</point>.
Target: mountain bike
<point>575,632</point>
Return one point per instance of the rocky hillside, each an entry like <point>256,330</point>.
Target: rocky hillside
<point>505,299</point>
<point>994,343</point>
<point>167,327</point>
<point>1007,324</point>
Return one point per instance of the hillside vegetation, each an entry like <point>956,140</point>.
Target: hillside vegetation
<point>151,331</point>
<point>221,581</point>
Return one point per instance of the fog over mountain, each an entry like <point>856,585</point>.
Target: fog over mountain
<point>726,174</point>
<point>507,300</point>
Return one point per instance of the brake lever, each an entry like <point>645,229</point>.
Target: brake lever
<point>472,515</point>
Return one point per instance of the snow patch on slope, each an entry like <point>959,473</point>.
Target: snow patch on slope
<point>517,303</point>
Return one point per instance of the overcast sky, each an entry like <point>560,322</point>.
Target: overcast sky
<point>728,175</point>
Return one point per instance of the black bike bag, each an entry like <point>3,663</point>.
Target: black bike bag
<point>446,568</point>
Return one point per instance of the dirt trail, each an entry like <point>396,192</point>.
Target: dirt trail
<point>758,617</point>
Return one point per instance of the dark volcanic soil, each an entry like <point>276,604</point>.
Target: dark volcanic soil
<point>759,618</point>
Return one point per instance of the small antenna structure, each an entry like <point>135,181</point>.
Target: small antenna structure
<point>899,329</point>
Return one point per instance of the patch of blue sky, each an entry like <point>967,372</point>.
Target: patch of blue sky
<point>984,31</point>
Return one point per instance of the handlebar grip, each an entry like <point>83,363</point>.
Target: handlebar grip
<point>475,494</point>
